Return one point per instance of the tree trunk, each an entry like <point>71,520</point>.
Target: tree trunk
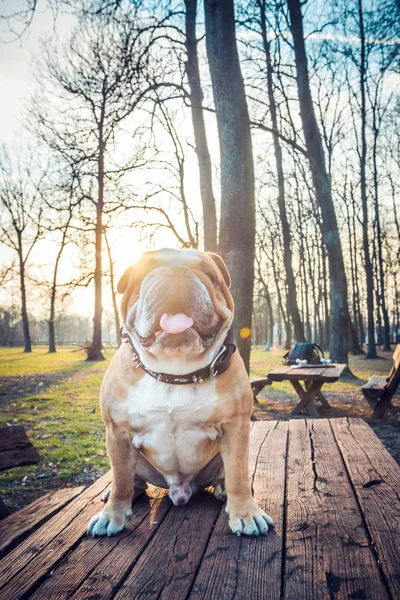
<point>203,155</point>
<point>298,326</point>
<point>94,352</point>
<point>52,337</point>
<point>279,324</point>
<point>327,321</point>
<point>281,311</point>
<point>113,292</point>
<point>369,275</point>
<point>357,309</point>
<point>24,311</point>
<point>270,318</point>
<point>379,243</point>
<point>353,337</point>
<point>330,232</point>
<point>288,333</point>
<point>352,264</point>
<point>237,229</point>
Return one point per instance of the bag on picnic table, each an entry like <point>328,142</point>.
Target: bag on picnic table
<point>308,351</point>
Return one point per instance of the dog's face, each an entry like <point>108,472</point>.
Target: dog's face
<point>176,303</point>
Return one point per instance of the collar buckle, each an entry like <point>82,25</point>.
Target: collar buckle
<point>213,371</point>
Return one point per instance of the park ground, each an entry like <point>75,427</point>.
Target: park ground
<point>55,397</point>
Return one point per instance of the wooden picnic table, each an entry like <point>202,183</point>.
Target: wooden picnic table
<point>330,486</point>
<point>314,379</point>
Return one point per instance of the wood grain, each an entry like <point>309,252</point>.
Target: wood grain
<point>330,486</point>
<point>20,524</point>
<point>35,556</point>
<point>169,564</point>
<point>375,476</point>
<point>243,567</point>
<point>328,554</point>
<point>99,565</point>
<point>374,387</point>
<point>327,375</point>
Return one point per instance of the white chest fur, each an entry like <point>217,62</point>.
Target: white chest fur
<point>171,424</point>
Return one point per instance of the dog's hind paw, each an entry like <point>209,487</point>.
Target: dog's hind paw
<point>220,492</point>
<point>106,496</point>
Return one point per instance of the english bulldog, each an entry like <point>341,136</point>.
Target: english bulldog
<point>176,401</point>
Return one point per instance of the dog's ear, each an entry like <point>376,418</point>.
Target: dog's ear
<point>221,266</point>
<point>123,282</point>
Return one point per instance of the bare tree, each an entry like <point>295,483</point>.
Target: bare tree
<point>20,225</point>
<point>100,76</point>
<point>237,229</point>
<point>203,155</point>
<point>259,20</point>
<point>375,26</point>
<point>59,218</point>
<point>330,232</point>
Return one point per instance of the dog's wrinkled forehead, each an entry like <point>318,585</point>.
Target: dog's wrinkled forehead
<point>171,257</point>
<point>167,257</point>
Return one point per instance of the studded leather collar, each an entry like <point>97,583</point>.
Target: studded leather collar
<point>218,365</point>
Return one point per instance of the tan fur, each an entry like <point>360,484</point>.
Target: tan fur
<point>171,433</point>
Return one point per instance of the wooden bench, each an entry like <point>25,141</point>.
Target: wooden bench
<point>19,525</point>
<point>331,487</point>
<point>15,450</point>
<point>379,391</point>
<point>259,384</point>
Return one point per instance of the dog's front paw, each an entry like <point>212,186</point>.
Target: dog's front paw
<point>249,520</point>
<point>109,521</point>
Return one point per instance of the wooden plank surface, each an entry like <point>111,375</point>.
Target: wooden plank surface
<point>328,554</point>
<point>375,477</point>
<point>33,558</point>
<point>23,522</point>
<point>326,374</point>
<point>15,448</point>
<point>242,567</point>
<point>169,564</point>
<point>374,387</point>
<point>98,565</point>
<point>331,488</point>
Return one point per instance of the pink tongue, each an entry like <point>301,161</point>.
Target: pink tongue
<point>175,323</point>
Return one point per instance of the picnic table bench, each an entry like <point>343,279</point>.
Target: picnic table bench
<point>379,391</point>
<point>259,384</point>
<point>330,486</point>
<point>314,378</point>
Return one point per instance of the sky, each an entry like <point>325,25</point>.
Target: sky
<point>18,82</point>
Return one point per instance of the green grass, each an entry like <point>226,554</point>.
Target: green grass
<point>59,407</point>
<point>15,362</point>
<point>55,397</point>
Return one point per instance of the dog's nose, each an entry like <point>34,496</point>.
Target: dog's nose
<point>179,271</point>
